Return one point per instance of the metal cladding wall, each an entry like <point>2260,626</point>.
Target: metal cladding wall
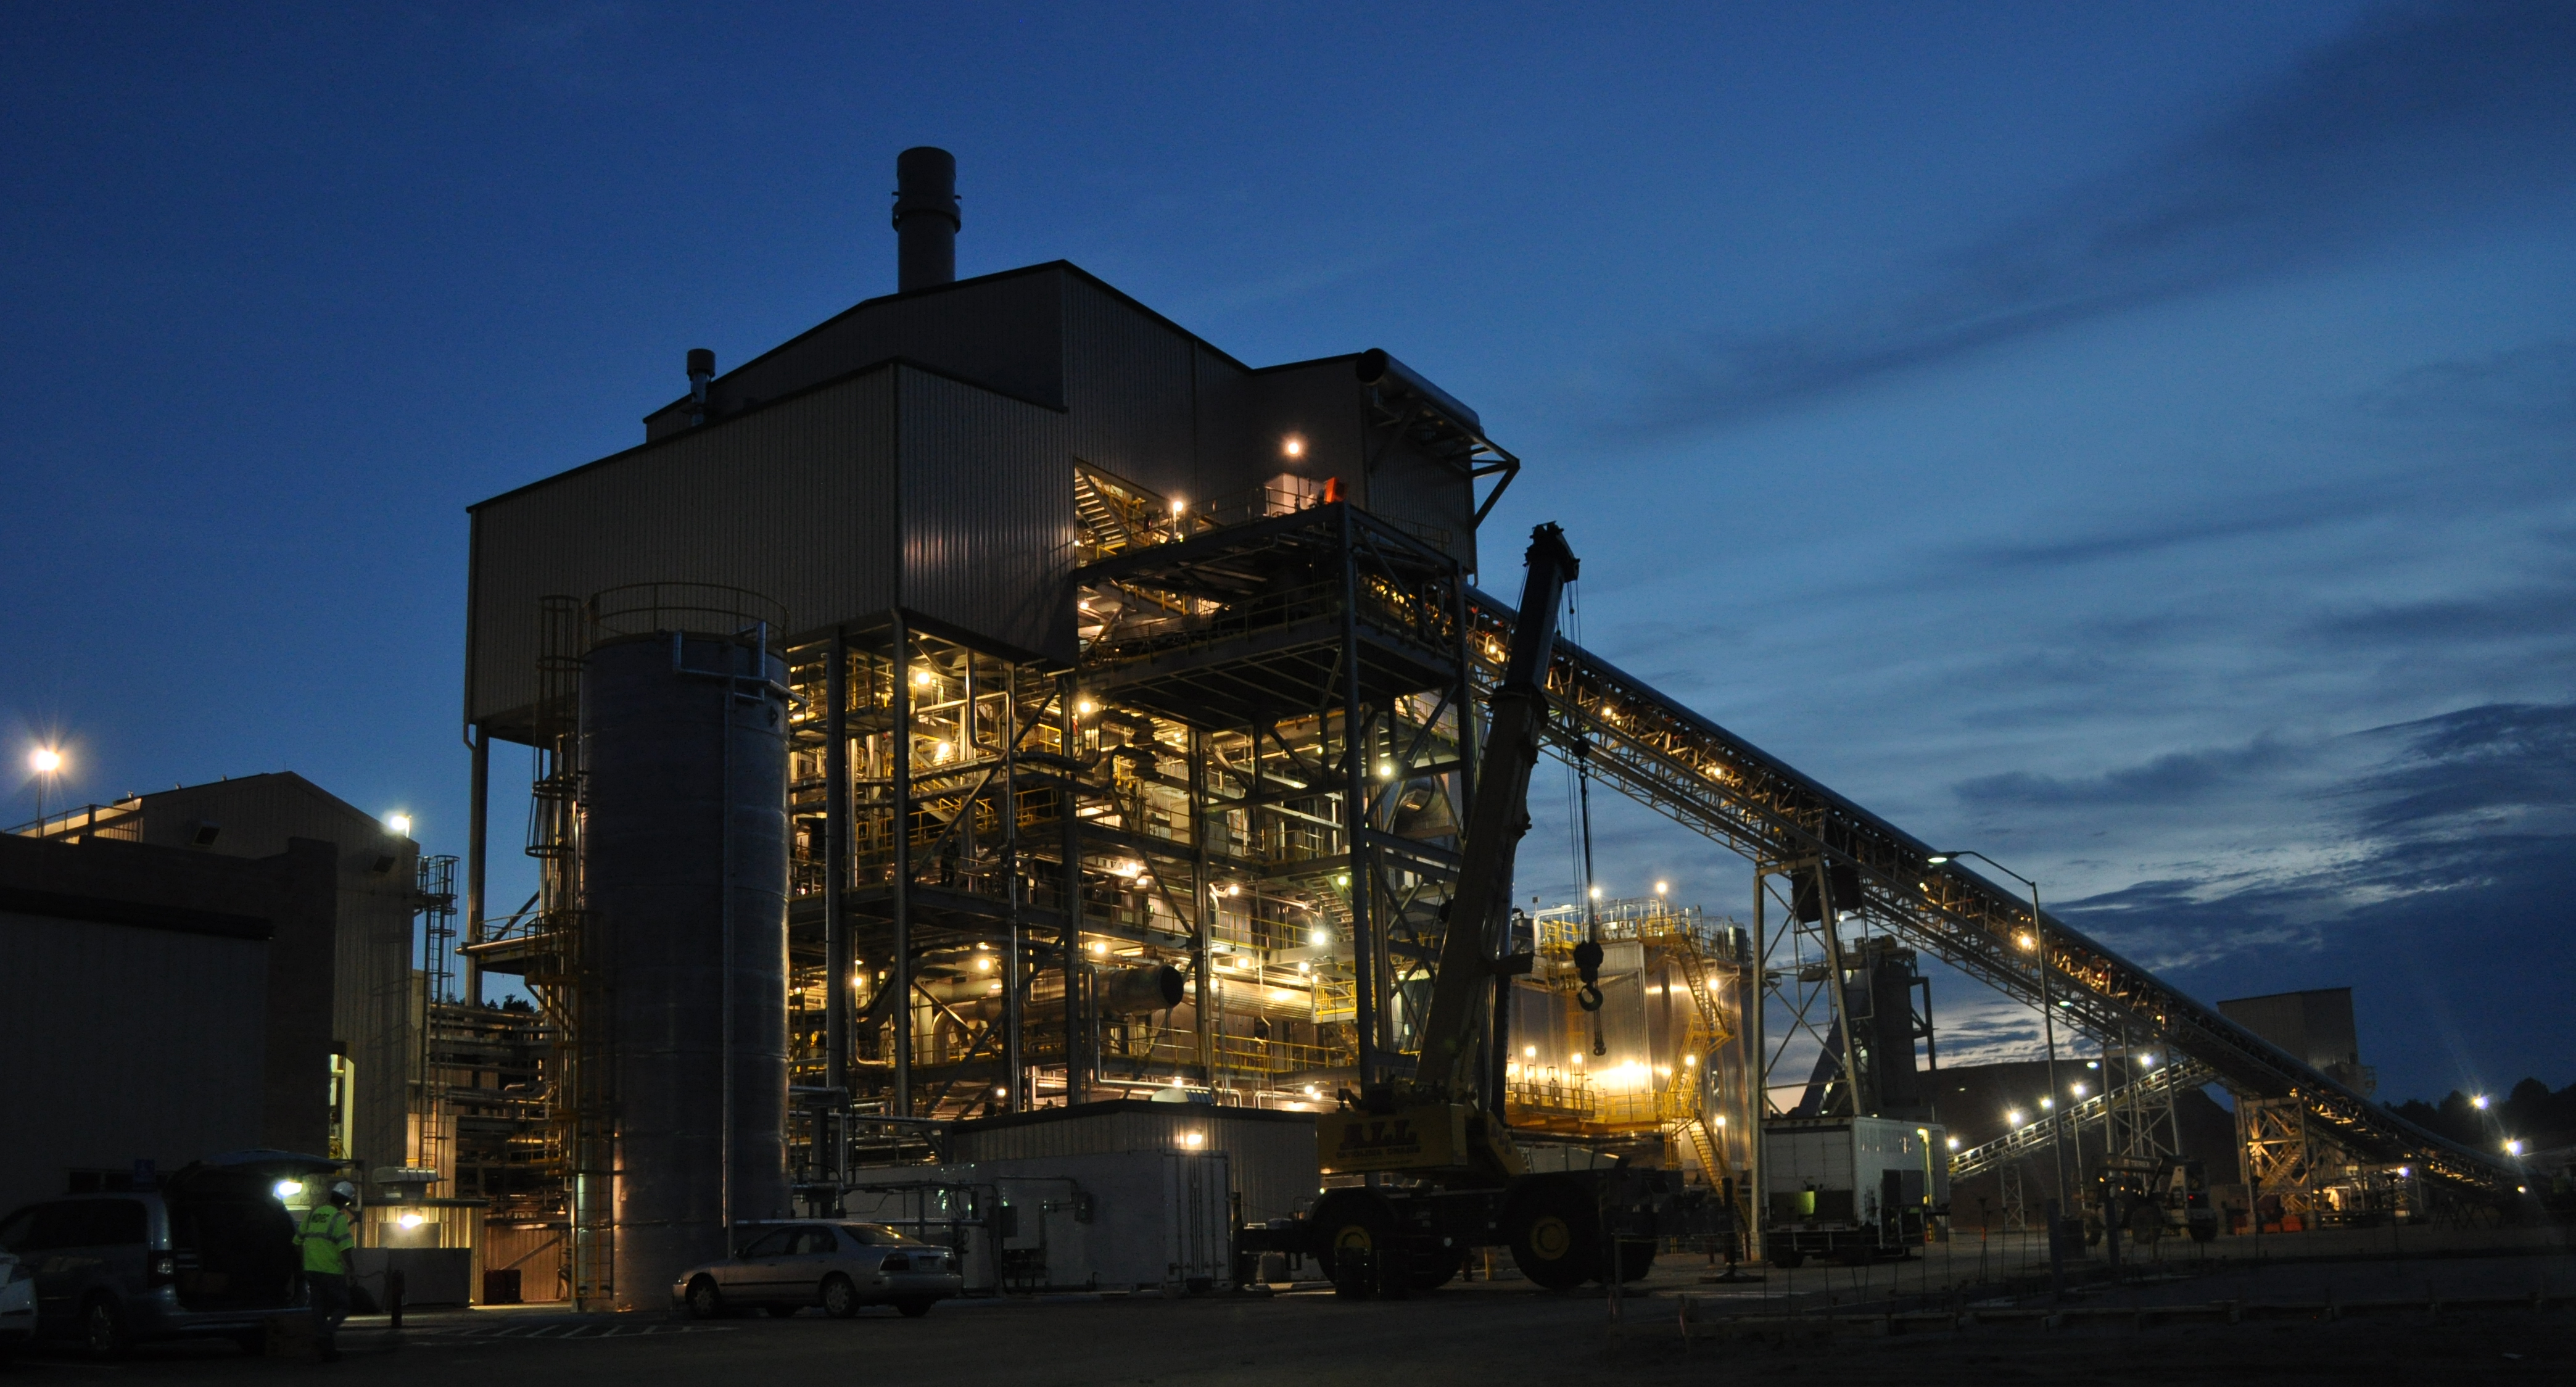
<point>163,1004</point>
<point>897,485</point>
<point>795,502</point>
<point>1271,1154</point>
<point>132,1043</point>
<point>684,867</point>
<point>372,1013</point>
<point>1129,384</point>
<point>1004,332</point>
<point>986,499</point>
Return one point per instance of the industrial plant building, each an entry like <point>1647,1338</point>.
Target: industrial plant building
<point>998,701</point>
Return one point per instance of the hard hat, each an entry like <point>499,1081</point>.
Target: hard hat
<point>342,1192</point>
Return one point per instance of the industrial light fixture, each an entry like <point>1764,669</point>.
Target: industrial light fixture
<point>999,1092</point>
<point>1529,1052</point>
<point>1386,770</point>
<point>287,1189</point>
<point>1319,937</point>
<point>1098,947</point>
<point>1576,1057</point>
<point>1954,1143</point>
<point>1179,506</point>
<point>2078,1090</point>
<point>2013,1117</point>
<point>2027,943</point>
<point>2479,1102</point>
<point>1234,888</point>
<point>1662,886</point>
<point>1721,1119</point>
<point>1343,879</point>
<point>44,760</point>
<point>1939,858</point>
<point>983,965</point>
<point>409,1220</point>
<point>1690,1061</point>
<point>921,679</point>
<point>1292,445</point>
<point>2513,1148</point>
<point>1195,1140</point>
<point>1596,893</point>
<point>1086,707</point>
<point>2048,1103</point>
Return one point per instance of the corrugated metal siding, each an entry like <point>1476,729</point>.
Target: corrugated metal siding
<point>1128,381</point>
<point>1230,458</point>
<point>1272,1157</point>
<point>795,502</point>
<point>1003,332</point>
<point>988,521</point>
<point>126,1042</point>
<point>372,943</point>
<point>1319,401</point>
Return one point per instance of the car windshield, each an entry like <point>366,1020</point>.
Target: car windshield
<point>880,1235</point>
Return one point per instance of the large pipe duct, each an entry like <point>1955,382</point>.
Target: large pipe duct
<point>1116,992</point>
<point>684,869</point>
<point>926,222</point>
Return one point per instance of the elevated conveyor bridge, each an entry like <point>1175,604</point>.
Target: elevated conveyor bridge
<point>1700,775</point>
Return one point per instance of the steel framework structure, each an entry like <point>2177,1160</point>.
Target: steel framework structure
<point>1706,778</point>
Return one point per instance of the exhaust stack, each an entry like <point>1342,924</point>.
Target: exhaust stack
<point>925,218</point>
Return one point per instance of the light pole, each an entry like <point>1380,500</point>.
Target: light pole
<point>44,761</point>
<point>2038,946</point>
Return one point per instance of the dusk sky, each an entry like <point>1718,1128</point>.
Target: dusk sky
<point>2130,440</point>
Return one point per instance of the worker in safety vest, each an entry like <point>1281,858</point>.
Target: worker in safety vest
<point>324,1235</point>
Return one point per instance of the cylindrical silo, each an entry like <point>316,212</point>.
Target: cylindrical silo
<point>684,869</point>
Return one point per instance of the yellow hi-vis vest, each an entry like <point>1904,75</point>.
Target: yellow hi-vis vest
<point>326,1241</point>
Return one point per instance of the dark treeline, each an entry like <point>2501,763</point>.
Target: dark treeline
<point>2531,1113</point>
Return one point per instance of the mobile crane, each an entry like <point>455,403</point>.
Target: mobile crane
<point>1443,1175</point>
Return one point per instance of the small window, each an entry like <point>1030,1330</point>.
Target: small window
<point>809,1241</point>
<point>769,1244</point>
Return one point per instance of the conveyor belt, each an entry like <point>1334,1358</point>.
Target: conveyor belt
<point>2031,1138</point>
<point>1706,778</point>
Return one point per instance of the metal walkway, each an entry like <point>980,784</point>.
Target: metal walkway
<point>1702,776</point>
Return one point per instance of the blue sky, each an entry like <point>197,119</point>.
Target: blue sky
<point>2130,440</point>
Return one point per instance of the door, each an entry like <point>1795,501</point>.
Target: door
<point>811,1253</point>
<point>749,1276</point>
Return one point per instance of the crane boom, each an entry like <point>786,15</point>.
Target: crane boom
<point>1497,819</point>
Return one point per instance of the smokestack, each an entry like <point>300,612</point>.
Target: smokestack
<point>702,369</point>
<point>925,218</point>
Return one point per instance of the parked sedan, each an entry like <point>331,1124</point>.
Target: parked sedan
<point>784,1267</point>
<point>17,1303</point>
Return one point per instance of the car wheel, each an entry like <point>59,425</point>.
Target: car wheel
<point>705,1301</point>
<point>840,1298</point>
<point>103,1329</point>
<point>913,1308</point>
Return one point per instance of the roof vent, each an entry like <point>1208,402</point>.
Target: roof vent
<point>925,218</point>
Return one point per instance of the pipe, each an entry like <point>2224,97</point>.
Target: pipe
<point>1376,368</point>
<point>702,372</point>
<point>926,220</point>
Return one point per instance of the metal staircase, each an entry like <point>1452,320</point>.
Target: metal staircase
<point>1700,775</point>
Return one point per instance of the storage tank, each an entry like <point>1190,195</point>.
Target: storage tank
<point>684,868</point>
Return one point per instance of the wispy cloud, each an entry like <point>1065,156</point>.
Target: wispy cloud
<point>2423,111</point>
